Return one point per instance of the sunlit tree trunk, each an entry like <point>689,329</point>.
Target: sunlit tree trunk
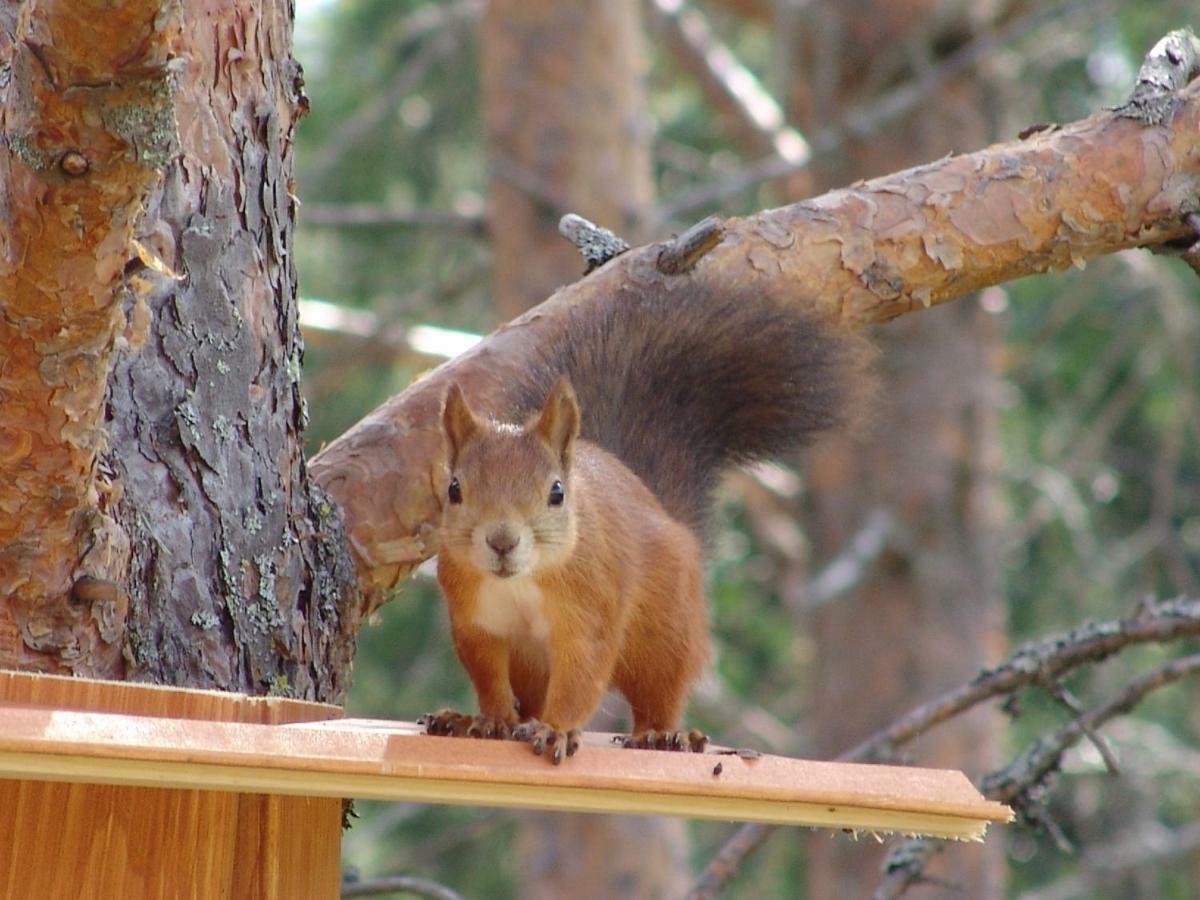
<point>566,131</point>
<point>156,520</point>
<point>930,614</point>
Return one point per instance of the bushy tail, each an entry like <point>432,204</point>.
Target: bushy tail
<point>682,385</point>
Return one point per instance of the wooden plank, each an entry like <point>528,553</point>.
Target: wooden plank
<point>395,761</point>
<point>94,695</point>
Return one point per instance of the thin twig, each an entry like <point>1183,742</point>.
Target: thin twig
<point>1013,782</point>
<point>1036,663</point>
<point>382,102</point>
<point>1023,783</point>
<point>1049,658</point>
<point>732,88</point>
<point>863,122</point>
<point>400,884</point>
<point>372,215</point>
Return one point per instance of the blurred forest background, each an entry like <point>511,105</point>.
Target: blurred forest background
<point>1037,465</point>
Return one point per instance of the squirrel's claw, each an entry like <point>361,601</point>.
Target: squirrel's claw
<point>489,729</point>
<point>446,721</point>
<point>693,741</point>
<point>452,722</point>
<point>543,737</point>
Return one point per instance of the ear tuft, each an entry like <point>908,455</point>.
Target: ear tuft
<point>458,422</point>
<point>558,425</point>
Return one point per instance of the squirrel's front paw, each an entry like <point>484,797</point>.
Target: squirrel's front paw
<point>452,722</point>
<point>693,741</point>
<point>541,737</point>
<point>446,721</point>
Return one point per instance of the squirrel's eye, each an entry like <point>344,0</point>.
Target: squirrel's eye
<point>455,491</point>
<point>556,494</point>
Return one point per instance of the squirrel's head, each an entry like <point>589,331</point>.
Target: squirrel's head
<point>507,506</point>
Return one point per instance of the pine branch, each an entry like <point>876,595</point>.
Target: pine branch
<point>868,253</point>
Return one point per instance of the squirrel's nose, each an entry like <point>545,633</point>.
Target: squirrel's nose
<point>502,541</point>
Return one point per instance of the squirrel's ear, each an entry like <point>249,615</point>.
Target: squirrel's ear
<point>558,424</point>
<point>458,421</point>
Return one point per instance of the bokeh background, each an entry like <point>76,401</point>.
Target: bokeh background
<point>1035,465</point>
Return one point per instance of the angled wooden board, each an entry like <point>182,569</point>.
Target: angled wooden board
<point>395,761</point>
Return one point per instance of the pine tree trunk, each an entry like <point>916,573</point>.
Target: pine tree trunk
<point>155,512</point>
<point>931,613</point>
<point>567,131</point>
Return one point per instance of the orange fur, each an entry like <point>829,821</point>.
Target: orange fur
<point>621,607</point>
<point>551,603</point>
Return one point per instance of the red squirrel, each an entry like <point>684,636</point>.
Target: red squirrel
<point>571,543</point>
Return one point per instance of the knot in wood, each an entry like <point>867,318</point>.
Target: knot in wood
<point>74,163</point>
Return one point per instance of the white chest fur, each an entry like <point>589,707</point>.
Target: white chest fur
<point>512,608</point>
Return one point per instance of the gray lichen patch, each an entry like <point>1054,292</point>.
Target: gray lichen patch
<point>280,686</point>
<point>333,569</point>
<point>26,149</point>
<point>222,427</point>
<point>229,581</point>
<point>294,367</point>
<point>188,418</point>
<point>252,520</point>
<point>148,125</point>
<point>264,614</point>
<point>205,620</point>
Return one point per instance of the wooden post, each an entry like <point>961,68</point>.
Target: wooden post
<point>87,840</point>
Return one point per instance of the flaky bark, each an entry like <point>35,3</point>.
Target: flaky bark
<point>88,122</point>
<point>864,254</point>
<point>156,520</point>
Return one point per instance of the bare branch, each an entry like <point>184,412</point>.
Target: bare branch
<point>400,884</point>
<point>864,122</point>
<point>1039,663</point>
<point>1024,783</point>
<point>729,859</point>
<point>1169,65</point>
<point>370,215</point>
<point>905,866</point>
<point>1013,783</point>
<point>730,85</point>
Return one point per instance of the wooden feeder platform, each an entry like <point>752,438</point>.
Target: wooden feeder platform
<point>118,789</point>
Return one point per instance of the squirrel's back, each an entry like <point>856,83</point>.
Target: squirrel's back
<point>682,384</point>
